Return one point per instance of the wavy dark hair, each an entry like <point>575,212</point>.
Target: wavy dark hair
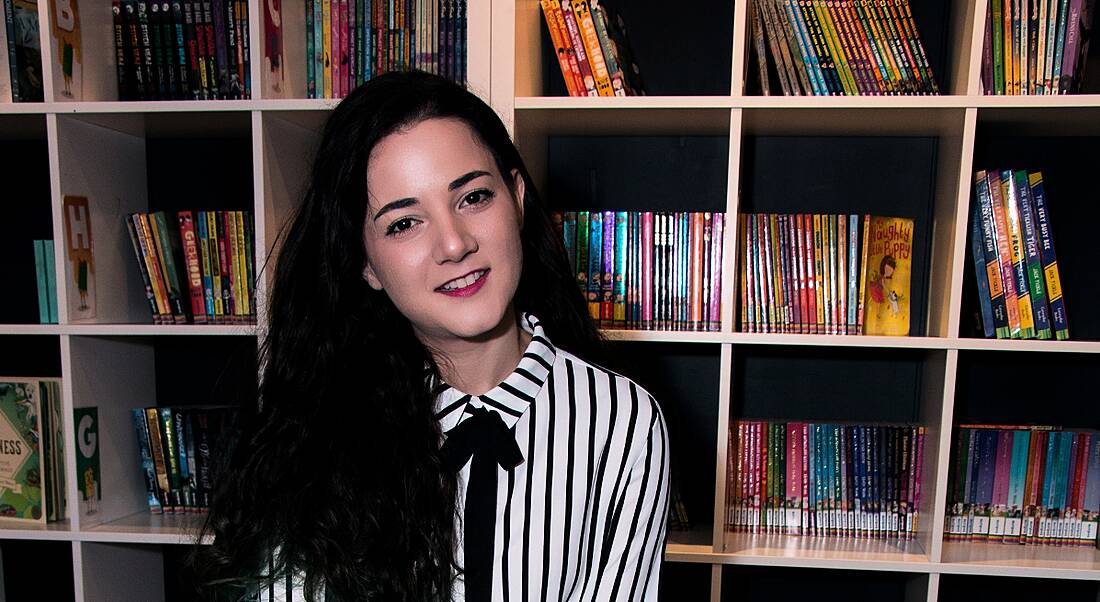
<point>338,469</point>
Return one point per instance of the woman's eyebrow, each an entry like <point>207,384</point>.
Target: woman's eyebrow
<point>458,182</point>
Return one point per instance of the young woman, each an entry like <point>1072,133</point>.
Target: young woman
<point>428,429</point>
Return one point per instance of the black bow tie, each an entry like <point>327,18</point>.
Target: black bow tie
<point>486,438</point>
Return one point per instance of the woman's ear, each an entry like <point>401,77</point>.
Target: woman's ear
<point>519,189</point>
<point>371,277</point>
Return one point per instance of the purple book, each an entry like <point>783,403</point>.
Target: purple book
<point>715,304</point>
<point>1001,480</point>
<point>607,275</point>
<point>1074,27</point>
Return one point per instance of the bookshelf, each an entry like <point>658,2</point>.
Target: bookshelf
<point>704,141</point>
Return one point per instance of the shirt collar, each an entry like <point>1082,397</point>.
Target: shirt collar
<point>514,394</point>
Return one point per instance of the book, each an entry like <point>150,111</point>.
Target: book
<point>80,252</point>
<point>177,450</point>
<point>88,477</point>
<point>31,454</point>
<point>888,266</point>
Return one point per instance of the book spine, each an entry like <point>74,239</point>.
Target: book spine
<point>1032,264</point>
<point>1049,258</point>
<point>1004,254</point>
<point>607,271</point>
<point>977,253</point>
<point>167,257</point>
<point>573,30</point>
<point>595,263</point>
<point>991,258</point>
<point>156,276</point>
<point>1016,248</point>
<point>648,250</point>
<point>186,487</point>
<point>142,268</point>
<point>148,468</point>
<point>561,48</point>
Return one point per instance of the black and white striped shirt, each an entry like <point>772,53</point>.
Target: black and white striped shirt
<point>583,517</point>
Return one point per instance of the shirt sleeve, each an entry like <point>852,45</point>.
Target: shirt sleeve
<point>635,543</point>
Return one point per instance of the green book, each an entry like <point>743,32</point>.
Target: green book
<point>22,495</point>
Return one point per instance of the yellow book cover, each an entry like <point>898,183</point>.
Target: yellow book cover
<point>592,47</point>
<point>887,272</point>
<point>326,37</point>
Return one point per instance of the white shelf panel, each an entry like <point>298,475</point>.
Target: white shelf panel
<point>1021,561</point>
<point>664,336</point>
<point>160,329</point>
<point>690,546</point>
<point>162,106</point>
<point>57,531</point>
<point>595,103</point>
<point>31,329</point>
<point>1030,102</point>
<point>1044,346</point>
<point>828,340</point>
<point>147,528</point>
<point>821,552</point>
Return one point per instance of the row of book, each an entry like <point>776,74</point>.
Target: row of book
<point>350,41</point>
<point>1012,247</point>
<point>32,475</point>
<point>177,447</point>
<point>1024,485</point>
<point>593,48</point>
<point>648,270</point>
<point>182,49</point>
<point>46,280</point>
<point>825,273</point>
<point>833,480</point>
<point>1036,47</point>
<point>21,57</point>
<point>197,266</point>
<point>839,48</point>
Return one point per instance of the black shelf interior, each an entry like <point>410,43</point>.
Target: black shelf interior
<point>681,173</point>
<point>1068,165</point>
<point>680,52</point>
<point>30,356</point>
<point>828,384</point>
<point>684,381</point>
<point>199,173</point>
<point>887,176</point>
<point>24,169</point>
<point>199,370</point>
<point>684,582</point>
<point>758,583</point>
<point>37,570</point>
<point>1012,387</point>
<point>975,587</point>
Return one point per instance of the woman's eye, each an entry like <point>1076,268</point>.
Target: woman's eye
<point>400,226</point>
<point>478,196</point>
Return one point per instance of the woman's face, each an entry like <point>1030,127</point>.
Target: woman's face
<point>442,232</point>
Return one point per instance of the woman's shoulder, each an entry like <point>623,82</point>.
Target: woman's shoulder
<point>614,393</point>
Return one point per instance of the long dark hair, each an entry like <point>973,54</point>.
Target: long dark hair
<point>338,469</point>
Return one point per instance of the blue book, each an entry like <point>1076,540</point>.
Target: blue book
<point>1033,264</point>
<point>1049,257</point>
<point>51,280</point>
<point>141,427</point>
<point>977,252</point>
<point>992,262</point>
<point>595,263</point>
<point>43,289</point>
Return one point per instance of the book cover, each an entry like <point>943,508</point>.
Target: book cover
<point>65,22</point>
<point>1033,263</point>
<point>88,478</point>
<point>887,268</point>
<point>145,453</point>
<point>80,252</point>
<point>991,258</point>
<point>607,271</point>
<point>24,37</point>
<point>1016,252</point>
<point>22,487</point>
<point>595,263</point>
<point>1049,258</point>
<point>977,255</point>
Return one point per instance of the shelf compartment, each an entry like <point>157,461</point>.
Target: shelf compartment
<point>25,171</point>
<point>942,28</point>
<point>30,355</point>
<point>118,374</point>
<point>1064,151</point>
<point>147,162</point>
<point>677,52</point>
<point>37,570</point>
<point>903,176</point>
<point>843,385</point>
<point>1021,561</point>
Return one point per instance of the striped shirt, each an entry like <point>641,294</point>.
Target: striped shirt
<point>583,516</point>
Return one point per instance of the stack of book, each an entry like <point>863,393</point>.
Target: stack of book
<point>182,49</point>
<point>839,48</point>
<point>47,283</point>
<point>647,270</point>
<point>825,273</point>
<point>1012,247</point>
<point>834,480</point>
<point>175,446</point>
<point>1036,47</point>
<point>350,41</point>
<point>593,49</point>
<point>21,51</point>
<point>32,475</point>
<point>197,266</point>
<point>1024,485</point>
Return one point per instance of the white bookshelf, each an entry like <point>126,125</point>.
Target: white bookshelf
<point>97,148</point>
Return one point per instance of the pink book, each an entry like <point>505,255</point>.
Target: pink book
<point>794,477</point>
<point>647,270</point>
<point>337,37</point>
<point>811,273</point>
<point>714,321</point>
<point>805,478</point>
<point>1001,477</point>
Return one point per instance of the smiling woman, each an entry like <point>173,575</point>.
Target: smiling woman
<point>428,429</point>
